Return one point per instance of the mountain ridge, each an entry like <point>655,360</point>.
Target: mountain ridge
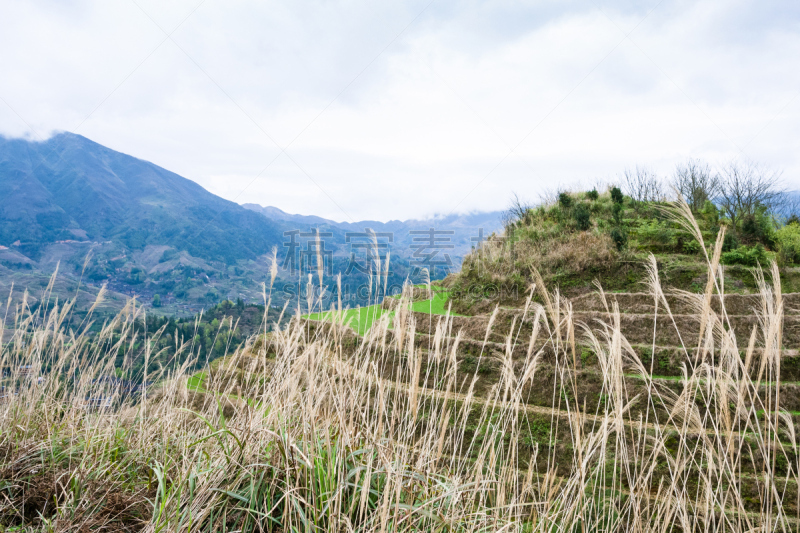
<point>68,184</point>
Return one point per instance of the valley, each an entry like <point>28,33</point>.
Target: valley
<point>178,249</point>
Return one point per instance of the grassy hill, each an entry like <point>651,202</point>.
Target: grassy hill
<point>588,236</point>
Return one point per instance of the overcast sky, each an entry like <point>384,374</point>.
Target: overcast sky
<point>380,110</point>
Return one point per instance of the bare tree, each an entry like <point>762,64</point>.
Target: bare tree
<point>694,181</point>
<point>745,187</point>
<point>789,208</point>
<point>642,185</point>
<point>600,184</point>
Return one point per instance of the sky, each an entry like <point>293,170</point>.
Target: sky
<point>395,110</point>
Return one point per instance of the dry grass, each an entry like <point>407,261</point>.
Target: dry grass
<point>310,430</point>
<point>580,251</point>
<point>500,259</point>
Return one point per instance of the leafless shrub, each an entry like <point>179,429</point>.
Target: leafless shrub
<point>745,187</point>
<point>549,196</point>
<point>517,211</point>
<point>695,182</point>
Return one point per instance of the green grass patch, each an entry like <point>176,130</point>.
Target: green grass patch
<point>435,306</point>
<point>360,319</point>
<point>196,382</point>
<point>363,318</point>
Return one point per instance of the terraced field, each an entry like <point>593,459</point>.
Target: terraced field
<point>673,407</point>
<point>431,301</point>
<point>667,351</point>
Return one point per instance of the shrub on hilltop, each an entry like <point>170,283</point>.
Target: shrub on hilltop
<point>576,237</point>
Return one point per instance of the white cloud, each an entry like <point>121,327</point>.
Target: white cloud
<point>432,118</point>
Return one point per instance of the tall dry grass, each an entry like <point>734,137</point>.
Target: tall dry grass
<point>313,429</point>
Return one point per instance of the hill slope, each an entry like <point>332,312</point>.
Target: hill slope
<point>586,237</point>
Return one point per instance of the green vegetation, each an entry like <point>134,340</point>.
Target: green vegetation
<point>746,255</point>
<point>196,382</point>
<point>582,217</point>
<point>788,243</point>
<point>364,318</point>
<point>218,331</point>
<point>360,319</point>
<point>438,305</point>
<point>580,237</point>
<point>616,195</point>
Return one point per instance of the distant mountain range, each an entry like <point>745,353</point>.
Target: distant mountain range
<point>149,231</point>
<point>462,231</point>
<point>472,220</point>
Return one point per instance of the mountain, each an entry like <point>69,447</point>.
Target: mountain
<point>109,218</point>
<point>277,214</point>
<point>70,188</point>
